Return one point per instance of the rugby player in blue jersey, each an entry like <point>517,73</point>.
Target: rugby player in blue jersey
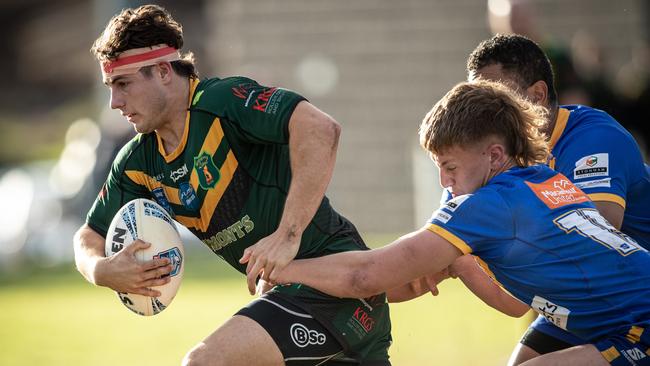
<point>587,145</point>
<point>535,232</point>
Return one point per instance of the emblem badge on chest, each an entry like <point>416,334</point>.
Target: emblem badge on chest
<point>206,170</point>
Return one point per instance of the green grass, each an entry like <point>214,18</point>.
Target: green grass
<point>53,317</point>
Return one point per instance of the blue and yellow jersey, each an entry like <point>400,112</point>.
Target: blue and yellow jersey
<point>542,240</point>
<point>597,154</point>
<point>228,179</point>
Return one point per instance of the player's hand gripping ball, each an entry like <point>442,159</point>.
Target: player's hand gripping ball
<point>146,220</point>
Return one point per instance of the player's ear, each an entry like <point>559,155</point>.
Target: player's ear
<point>497,154</point>
<point>538,92</point>
<point>165,71</point>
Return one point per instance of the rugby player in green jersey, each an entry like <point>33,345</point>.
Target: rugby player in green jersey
<point>244,167</point>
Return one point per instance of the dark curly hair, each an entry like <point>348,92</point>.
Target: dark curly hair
<point>147,25</point>
<point>517,55</point>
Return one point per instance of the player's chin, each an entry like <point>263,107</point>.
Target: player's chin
<point>142,129</point>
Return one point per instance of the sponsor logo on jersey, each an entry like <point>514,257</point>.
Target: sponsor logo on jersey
<point>187,196</point>
<point>231,234</point>
<point>596,165</point>
<point>197,96</point>
<point>206,170</point>
<point>159,196</point>
<point>303,336</point>
<point>179,173</point>
<point>634,354</point>
<point>554,313</point>
<point>244,91</point>
<point>361,320</point>
<point>557,191</point>
<point>265,102</point>
<point>176,259</point>
<point>442,216</point>
<point>604,182</point>
<point>453,204</point>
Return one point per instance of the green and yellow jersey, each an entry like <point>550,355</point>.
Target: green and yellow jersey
<point>228,179</point>
<point>227,182</point>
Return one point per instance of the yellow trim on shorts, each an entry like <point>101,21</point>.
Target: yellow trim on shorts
<point>607,197</point>
<point>634,334</point>
<point>451,238</point>
<point>610,354</point>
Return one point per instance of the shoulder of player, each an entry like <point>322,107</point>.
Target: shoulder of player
<point>585,120</point>
<point>135,150</point>
<point>231,85</point>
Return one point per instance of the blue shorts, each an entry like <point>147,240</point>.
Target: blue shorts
<point>628,348</point>
<point>542,325</point>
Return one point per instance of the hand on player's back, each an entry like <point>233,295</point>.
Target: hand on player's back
<point>123,273</point>
<point>271,254</point>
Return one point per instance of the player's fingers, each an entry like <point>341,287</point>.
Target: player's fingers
<point>267,270</point>
<point>246,256</point>
<point>250,281</point>
<point>155,282</point>
<point>251,276</point>
<point>155,263</point>
<point>431,284</point>
<point>434,291</point>
<point>137,245</point>
<point>146,291</point>
<point>159,272</point>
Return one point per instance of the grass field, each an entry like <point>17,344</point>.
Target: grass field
<point>53,317</point>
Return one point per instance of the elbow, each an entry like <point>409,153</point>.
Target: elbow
<point>362,284</point>
<point>332,131</point>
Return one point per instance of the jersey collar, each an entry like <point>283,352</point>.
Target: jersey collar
<point>560,125</point>
<point>194,82</point>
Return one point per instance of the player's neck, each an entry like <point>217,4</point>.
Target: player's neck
<point>172,131</point>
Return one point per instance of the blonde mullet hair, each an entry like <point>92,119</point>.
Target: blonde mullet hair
<point>473,111</point>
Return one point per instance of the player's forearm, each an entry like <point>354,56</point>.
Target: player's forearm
<point>88,252</point>
<point>477,281</point>
<point>312,144</point>
<point>342,274</point>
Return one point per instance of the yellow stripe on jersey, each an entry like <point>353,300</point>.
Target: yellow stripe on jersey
<point>486,269</point>
<point>560,125</point>
<point>451,238</point>
<point>151,184</point>
<point>607,197</point>
<point>213,196</point>
<point>610,354</point>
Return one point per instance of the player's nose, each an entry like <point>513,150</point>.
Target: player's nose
<point>117,102</point>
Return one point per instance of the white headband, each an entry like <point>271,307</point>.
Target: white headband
<point>130,61</point>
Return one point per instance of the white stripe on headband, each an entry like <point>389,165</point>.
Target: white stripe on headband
<point>130,61</point>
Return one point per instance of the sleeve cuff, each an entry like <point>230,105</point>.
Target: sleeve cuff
<point>451,238</point>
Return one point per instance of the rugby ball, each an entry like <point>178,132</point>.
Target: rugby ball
<point>146,220</point>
